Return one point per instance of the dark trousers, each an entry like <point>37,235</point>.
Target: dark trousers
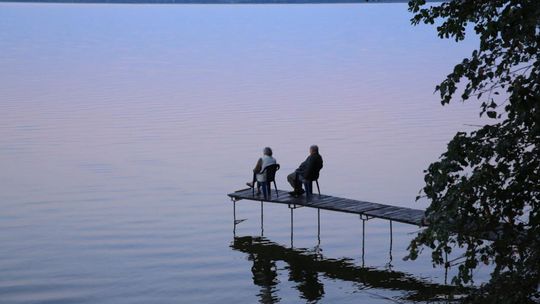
<point>295,180</point>
<point>265,186</point>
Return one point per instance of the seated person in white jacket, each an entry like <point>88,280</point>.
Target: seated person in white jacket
<point>263,162</point>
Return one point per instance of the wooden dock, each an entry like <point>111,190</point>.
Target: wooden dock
<point>339,204</point>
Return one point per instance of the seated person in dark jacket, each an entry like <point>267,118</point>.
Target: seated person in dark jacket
<point>308,171</point>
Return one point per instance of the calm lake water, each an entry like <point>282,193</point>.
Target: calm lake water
<point>123,127</point>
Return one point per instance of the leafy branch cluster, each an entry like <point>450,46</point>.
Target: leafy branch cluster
<point>485,189</point>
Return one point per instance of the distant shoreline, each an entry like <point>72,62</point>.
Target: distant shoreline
<point>209,1</point>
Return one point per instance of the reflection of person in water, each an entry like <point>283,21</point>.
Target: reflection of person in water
<point>308,281</point>
<point>264,275</point>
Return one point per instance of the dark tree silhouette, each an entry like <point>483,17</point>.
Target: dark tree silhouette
<point>487,183</point>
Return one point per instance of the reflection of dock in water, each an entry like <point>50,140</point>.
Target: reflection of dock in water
<point>305,267</point>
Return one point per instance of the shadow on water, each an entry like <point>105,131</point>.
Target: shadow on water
<point>306,266</point>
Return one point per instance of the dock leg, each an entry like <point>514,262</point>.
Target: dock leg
<point>363,241</point>
<point>391,241</point>
<point>318,247</point>
<point>319,225</point>
<point>292,228</point>
<point>234,218</point>
<point>262,219</point>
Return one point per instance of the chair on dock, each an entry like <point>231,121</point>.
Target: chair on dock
<point>308,182</point>
<point>308,187</point>
<point>270,177</point>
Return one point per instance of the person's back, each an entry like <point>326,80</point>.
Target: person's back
<point>314,164</point>
<point>259,173</point>
<point>267,160</point>
<point>307,171</point>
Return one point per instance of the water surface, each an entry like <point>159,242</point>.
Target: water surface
<point>122,128</point>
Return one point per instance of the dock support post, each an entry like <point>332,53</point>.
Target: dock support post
<point>319,225</point>
<point>234,217</point>
<point>292,226</point>
<point>363,241</point>
<point>391,242</point>
<point>262,219</point>
<point>318,247</point>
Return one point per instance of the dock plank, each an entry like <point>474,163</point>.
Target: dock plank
<point>339,204</point>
